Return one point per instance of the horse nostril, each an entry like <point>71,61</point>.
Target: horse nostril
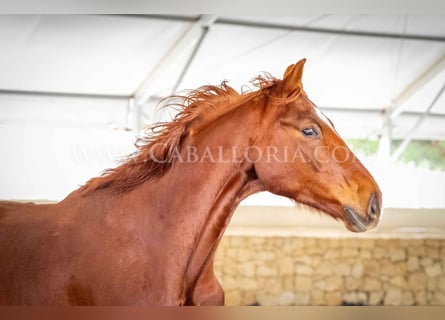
<point>373,206</point>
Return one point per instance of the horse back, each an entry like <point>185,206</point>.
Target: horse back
<point>12,213</point>
<point>25,231</point>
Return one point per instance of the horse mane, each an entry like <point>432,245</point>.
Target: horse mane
<point>155,148</point>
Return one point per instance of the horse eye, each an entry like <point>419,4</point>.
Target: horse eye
<point>310,132</point>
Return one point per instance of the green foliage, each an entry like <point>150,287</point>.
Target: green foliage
<point>428,154</point>
<point>367,147</point>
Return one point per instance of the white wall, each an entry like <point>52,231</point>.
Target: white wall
<point>46,163</point>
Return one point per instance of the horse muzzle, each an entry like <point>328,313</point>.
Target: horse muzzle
<point>357,222</point>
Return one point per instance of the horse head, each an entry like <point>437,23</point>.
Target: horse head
<point>309,162</point>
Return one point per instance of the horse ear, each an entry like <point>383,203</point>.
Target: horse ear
<point>292,78</point>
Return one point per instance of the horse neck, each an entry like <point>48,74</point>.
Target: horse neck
<point>202,211</point>
<point>188,208</point>
<point>200,197</point>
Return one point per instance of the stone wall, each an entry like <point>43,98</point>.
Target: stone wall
<point>331,271</point>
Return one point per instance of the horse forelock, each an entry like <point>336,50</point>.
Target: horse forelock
<point>155,149</point>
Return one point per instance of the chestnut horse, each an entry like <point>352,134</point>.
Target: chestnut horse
<point>146,232</point>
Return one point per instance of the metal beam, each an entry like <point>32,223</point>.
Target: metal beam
<point>398,152</point>
<point>231,21</point>
<point>271,25</point>
<point>397,106</point>
<point>419,82</point>
<point>385,139</point>
<point>205,30</point>
<point>64,94</point>
<point>172,17</point>
<point>192,34</point>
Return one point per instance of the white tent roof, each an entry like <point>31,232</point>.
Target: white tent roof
<point>357,65</point>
